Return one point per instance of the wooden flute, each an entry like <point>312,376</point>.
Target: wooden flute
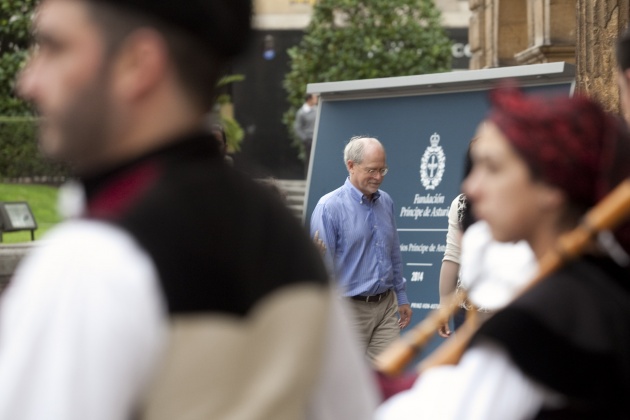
<point>608,214</point>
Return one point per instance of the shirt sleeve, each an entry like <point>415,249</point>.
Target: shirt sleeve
<point>81,327</point>
<point>298,125</point>
<point>454,234</point>
<point>397,265</point>
<point>485,385</point>
<point>323,223</point>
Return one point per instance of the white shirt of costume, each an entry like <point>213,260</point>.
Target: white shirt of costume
<point>485,385</point>
<point>81,327</point>
<point>493,272</point>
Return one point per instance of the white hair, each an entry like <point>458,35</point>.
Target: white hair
<point>355,148</point>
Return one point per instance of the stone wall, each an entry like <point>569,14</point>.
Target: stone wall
<point>583,32</point>
<point>598,26</point>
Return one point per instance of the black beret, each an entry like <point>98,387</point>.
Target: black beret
<point>224,26</point>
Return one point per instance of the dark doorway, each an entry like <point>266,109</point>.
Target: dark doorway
<point>260,101</point>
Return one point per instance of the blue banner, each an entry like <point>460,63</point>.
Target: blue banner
<point>426,138</point>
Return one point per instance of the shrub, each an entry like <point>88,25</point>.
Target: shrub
<point>15,20</point>
<point>19,154</point>
<point>365,39</point>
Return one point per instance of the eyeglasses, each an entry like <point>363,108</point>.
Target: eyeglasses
<point>373,172</point>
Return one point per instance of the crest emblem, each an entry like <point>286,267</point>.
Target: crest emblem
<point>432,164</point>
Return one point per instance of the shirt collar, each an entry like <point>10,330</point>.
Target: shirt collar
<point>358,195</point>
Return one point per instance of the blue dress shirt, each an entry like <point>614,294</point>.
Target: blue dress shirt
<point>361,239</point>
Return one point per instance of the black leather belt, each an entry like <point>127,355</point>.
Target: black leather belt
<point>375,298</point>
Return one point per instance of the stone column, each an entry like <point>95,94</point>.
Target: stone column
<point>511,30</point>
<point>598,25</point>
<point>477,36</point>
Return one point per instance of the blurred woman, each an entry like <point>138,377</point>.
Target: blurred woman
<point>460,217</point>
<point>562,348</point>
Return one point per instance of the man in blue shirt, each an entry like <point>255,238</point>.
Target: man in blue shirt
<point>356,225</point>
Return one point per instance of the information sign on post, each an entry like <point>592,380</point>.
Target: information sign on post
<point>16,216</point>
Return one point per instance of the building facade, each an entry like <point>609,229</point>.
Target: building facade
<point>581,32</point>
<point>518,32</point>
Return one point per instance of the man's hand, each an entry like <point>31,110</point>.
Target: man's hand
<point>405,315</point>
<point>319,243</point>
<point>444,331</point>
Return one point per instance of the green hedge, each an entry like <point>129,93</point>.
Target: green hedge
<point>19,154</point>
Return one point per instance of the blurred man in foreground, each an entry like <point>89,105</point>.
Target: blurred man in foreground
<point>181,290</point>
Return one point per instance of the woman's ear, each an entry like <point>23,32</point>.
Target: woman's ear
<point>552,198</point>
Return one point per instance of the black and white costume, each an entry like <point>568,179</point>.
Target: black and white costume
<point>559,351</point>
<point>185,291</point>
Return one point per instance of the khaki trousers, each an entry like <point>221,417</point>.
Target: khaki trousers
<point>376,323</point>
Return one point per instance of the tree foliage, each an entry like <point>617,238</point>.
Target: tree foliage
<point>365,39</point>
<point>15,23</point>
<point>20,156</point>
<point>234,133</point>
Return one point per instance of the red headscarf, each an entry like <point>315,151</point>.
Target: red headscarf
<point>570,143</point>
